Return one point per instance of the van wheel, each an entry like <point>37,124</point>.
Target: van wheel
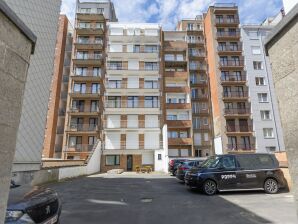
<point>209,187</point>
<point>271,186</point>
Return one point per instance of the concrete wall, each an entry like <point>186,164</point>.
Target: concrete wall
<point>283,53</point>
<point>14,62</point>
<point>258,123</point>
<point>42,18</point>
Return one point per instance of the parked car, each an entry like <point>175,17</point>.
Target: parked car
<point>237,172</point>
<point>32,205</point>
<point>173,164</point>
<point>185,166</point>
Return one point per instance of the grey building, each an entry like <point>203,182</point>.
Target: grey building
<point>266,119</point>
<point>282,47</point>
<point>42,18</point>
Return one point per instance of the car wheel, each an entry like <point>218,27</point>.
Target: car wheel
<point>209,187</point>
<point>271,186</point>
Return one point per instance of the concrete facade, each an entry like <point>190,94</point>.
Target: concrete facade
<point>14,62</point>
<point>282,47</point>
<point>42,18</point>
<point>265,114</point>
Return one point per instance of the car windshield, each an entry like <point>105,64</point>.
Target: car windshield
<point>212,162</point>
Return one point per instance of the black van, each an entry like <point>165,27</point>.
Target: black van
<point>233,172</point>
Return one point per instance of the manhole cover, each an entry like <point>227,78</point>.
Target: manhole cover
<point>146,200</point>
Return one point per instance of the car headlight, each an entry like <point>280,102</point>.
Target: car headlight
<point>13,216</point>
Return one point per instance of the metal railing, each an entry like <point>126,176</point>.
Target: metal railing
<point>88,41</point>
<point>226,20</point>
<point>115,124</point>
<point>231,63</point>
<point>124,85</point>
<point>79,148</point>
<point>237,111</point>
<point>91,26</point>
<point>132,104</point>
<point>82,127</point>
<point>239,128</point>
<point>87,74</point>
<point>240,147</point>
<point>235,94</point>
<point>121,67</point>
<point>83,110</point>
<point>89,57</point>
<point>229,47</point>
<point>87,91</point>
<point>134,145</point>
<point>197,54</point>
<point>233,78</point>
<point>228,34</point>
<point>200,111</point>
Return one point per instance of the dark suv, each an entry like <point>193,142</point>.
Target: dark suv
<point>185,166</point>
<point>237,172</point>
<point>32,205</point>
<point>173,164</point>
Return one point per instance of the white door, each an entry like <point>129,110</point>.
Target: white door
<point>151,140</point>
<point>132,140</point>
<point>133,82</point>
<point>132,121</point>
<point>133,65</point>
<point>151,121</point>
<point>197,139</point>
<point>147,159</point>
<point>114,121</point>
<point>112,141</point>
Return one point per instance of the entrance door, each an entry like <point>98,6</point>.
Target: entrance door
<point>129,163</point>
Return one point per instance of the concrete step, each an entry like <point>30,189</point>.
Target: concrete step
<point>115,171</point>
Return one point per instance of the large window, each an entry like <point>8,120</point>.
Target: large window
<point>263,97</point>
<point>260,81</point>
<point>265,114</point>
<point>258,65</point>
<point>151,101</point>
<point>268,133</point>
<point>113,160</point>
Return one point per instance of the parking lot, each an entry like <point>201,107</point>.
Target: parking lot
<point>158,198</point>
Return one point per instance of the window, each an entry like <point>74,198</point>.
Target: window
<point>132,101</point>
<point>151,48</point>
<point>219,19</point>
<point>82,55</point>
<point>256,50</point>
<point>84,25</point>
<point>115,84</point>
<point>169,57</point>
<point>159,156</point>
<point>100,10</point>
<point>85,10</point>
<point>96,71</point>
<point>114,102</point>
<point>112,160</point>
<point>115,65</point>
<point>95,88</point>
<point>268,132</point>
<point>151,101</point>
<point>172,134</point>
<point>190,26</point>
<point>83,40</point>
<point>263,97</point>
<point>258,65</point>
<point>265,115</point>
<point>228,162</point>
<point>97,55</point>
<point>99,25</point>
<point>81,71</point>
<point>94,106</point>
<point>270,149</point>
<point>79,88</point>
<point>260,81</point>
<point>150,84</point>
<point>151,66</point>
<point>172,117</point>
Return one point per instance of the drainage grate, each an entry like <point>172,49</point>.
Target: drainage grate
<point>146,200</point>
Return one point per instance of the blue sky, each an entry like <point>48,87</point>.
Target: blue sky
<point>168,12</point>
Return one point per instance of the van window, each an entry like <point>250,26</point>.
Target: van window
<point>247,162</point>
<point>265,162</point>
<point>228,162</point>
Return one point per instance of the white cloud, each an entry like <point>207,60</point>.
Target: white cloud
<point>68,8</point>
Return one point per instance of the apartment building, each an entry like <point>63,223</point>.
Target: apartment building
<point>199,83</point>
<point>84,106</point>
<point>266,120</point>
<point>53,138</point>
<point>231,109</point>
<point>176,93</point>
<point>132,114</point>
<point>43,21</point>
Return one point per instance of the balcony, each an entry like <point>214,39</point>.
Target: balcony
<point>89,44</point>
<point>93,29</point>
<point>88,93</point>
<point>175,62</point>
<point>235,95</point>
<point>78,148</point>
<point>87,76</point>
<point>175,46</point>
<point>179,123</point>
<point>125,85</point>
<point>233,79</point>
<point>241,147</point>
<point>120,67</point>
<point>195,42</point>
<point>229,49</point>
<point>226,35</point>
<point>179,141</point>
<point>90,16</point>
<point>83,111</point>
<point>201,68</point>
<point>228,64</point>
<point>177,89</point>
<point>82,128</point>
<point>176,75</point>
<point>198,83</point>
<point>178,106</point>
<point>132,124</point>
<point>200,111</point>
<point>197,55</point>
<point>132,104</point>
<point>237,112</point>
<point>89,59</point>
<point>201,127</point>
<point>198,97</point>
<point>225,8</point>
<point>227,22</point>
<point>239,129</point>
<point>136,145</point>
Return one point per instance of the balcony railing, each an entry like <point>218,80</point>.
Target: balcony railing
<point>231,63</point>
<point>235,94</point>
<point>199,96</point>
<point>241,147</point>
<point>198,82</point>
<point>121,67</point>
<point>83,110</point>
<point>200,111</point>
<point>82,128</point>
<point>137,51</point>
<point>201,127</point>
<point>227,21</point>
<point>195,41</point>
<point>116,124</point>
<point>132,104</point>
<point>87,91</point>
<point>79,148</point>
<point>228,34</point>
<point>88,41</point>
<point>197,54</point>
<point>91,26</point>
<point>233,78</point>
<point>86,74</point>
<point>197,67</point>
<point>89,57</point>
<point>240,128</point>
<point>237,111</point>
<point>228,47</point>
<point>134,145</point>
<point>125,85</point>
